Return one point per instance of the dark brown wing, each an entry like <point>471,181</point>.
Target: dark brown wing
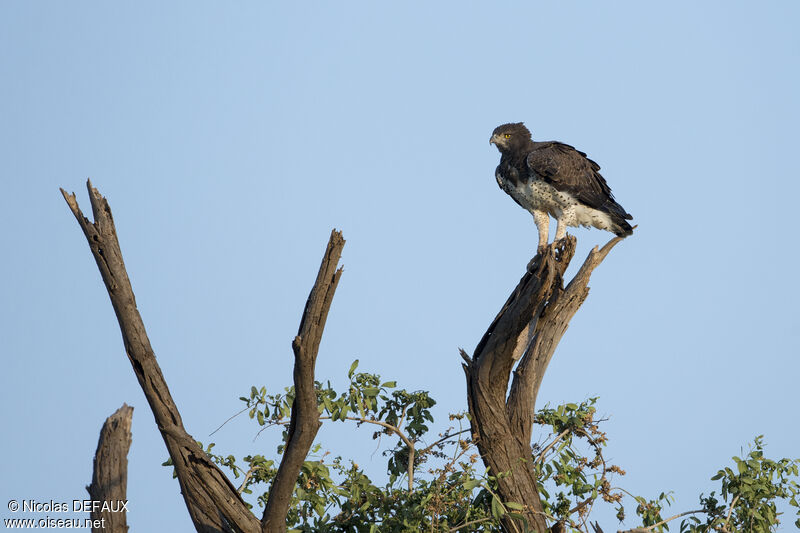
<point>569,170</point>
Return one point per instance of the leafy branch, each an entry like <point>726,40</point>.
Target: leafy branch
<point>451,495</point>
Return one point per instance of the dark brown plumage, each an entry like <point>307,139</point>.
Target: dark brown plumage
<point>553,178</point>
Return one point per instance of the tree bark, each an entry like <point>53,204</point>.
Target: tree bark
<point>527,329</point>
<point>214,504</point>
<point>110,473</point>
<point>304,422</point>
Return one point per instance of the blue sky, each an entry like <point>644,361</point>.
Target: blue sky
<point>230,138</point>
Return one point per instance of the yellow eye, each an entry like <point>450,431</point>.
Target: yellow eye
<point>507,135</point>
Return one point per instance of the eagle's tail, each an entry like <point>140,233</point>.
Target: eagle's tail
<point>622,228</point>
<point>620,218</point>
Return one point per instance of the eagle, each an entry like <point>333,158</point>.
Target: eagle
<point>553,178</point>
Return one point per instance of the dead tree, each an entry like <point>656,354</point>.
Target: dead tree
<point>214,504</point>
<point>110,472</point>
<point>304,422</point>
<point>525,333</point>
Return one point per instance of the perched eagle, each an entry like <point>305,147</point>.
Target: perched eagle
<point>552,178</point>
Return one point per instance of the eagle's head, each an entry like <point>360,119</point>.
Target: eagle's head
<point>510,137</point>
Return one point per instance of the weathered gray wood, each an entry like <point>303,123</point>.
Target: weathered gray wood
<point>213,502</point>
<point>527,328</point>
<point>110,472</point>
<point>304,422</point>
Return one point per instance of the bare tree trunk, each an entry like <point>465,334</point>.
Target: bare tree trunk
<point>304,422</point>
<point>110,473</point>
<point>527,328</point>
<point>213,502</point>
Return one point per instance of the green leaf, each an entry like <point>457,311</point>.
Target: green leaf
<point>741,465</point>
<point>327,403</point>
<point>389,384</point>
<point>514,505</point>
<point>472,483</point>
<point>497,508</point>
<point>352,369</point>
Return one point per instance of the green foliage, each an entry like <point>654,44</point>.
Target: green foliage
<point>749,494</point>
<point>650,511</point>
<point>333,494</point>
<point>570,464</point>
<point>445,488</point>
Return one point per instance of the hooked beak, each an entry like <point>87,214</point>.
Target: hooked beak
<point>493,140</point>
